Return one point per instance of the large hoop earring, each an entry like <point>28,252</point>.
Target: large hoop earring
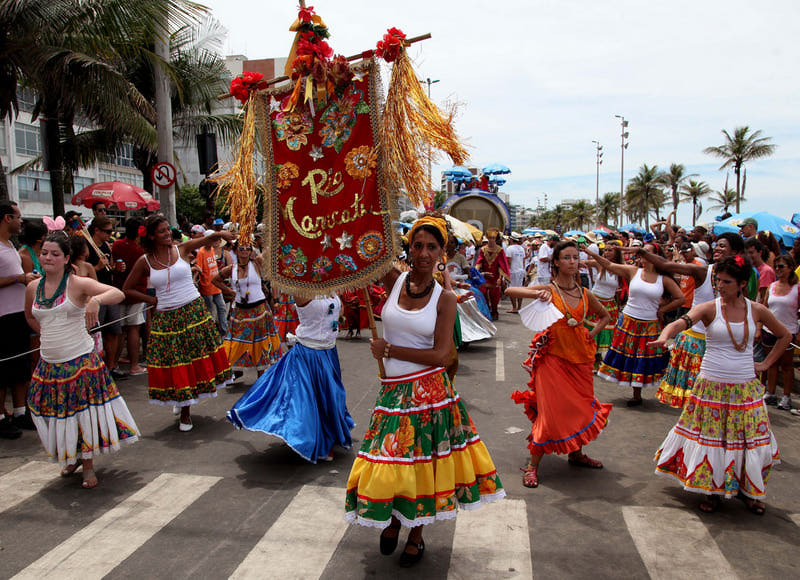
<point>440,267</point>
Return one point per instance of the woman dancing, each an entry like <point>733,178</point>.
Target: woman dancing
<point>560,401</point>
<point>74,403</point>
<point>722,445</point>
<point>493,265</point>
<point>301,399</point>
<point>421,456</point>
<point>185,358</point>
<point>630,361</point>
<point>252,340</point>
<point>605,289</point>
<point>687,352</point>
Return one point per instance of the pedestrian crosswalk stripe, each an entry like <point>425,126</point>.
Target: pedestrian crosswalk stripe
<point>98,548</point>
<point>25,482</point>
<point>492,542</point>
<point>795,519</point>
<point>499,363</point>
<point>302,540</point>
<point>651,527</point>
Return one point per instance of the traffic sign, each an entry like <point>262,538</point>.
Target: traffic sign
<point>163,174</point>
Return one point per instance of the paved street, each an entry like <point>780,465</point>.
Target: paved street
<point>216,502</point>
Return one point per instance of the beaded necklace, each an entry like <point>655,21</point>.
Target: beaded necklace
<point>743,346</point>
<point>166,266</point>
<point>48,302</point>
<point>421,294</point>
<point>567,314</point>
<point>246,294</point>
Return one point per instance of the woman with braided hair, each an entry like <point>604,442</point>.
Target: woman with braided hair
<point>421,457</point>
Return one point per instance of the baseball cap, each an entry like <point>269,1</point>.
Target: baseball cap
<point>219,222</point>
<point>198,229</point>
<point>636,244</point>
<point>209,233</point>
<point>749,222</point>
<point>701,249</point>
<point>555,237</point>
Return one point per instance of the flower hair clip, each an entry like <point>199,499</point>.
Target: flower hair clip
<point>54,224</point>
<point>739,259</point>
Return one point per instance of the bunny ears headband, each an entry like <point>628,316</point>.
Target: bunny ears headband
<point>54,224</point>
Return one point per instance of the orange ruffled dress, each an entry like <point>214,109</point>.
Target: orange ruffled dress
<point>560,399</point>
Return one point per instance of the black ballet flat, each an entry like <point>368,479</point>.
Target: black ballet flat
<point>407,560</point>
<point>388,545</point>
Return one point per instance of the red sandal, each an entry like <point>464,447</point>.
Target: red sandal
<point>530,477</point>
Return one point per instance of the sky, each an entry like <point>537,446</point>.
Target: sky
<point>537,81</point>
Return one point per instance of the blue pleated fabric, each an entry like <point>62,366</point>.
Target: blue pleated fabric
<point>300,399</point>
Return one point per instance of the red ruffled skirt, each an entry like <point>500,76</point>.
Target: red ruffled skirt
<point>560,402</point>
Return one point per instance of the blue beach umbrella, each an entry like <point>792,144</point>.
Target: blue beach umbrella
<point>532,231</point>
<point>458,170</point>
<point>635,228</point>
<point>496,169</point>
<point>779,227</point>
<point>573,233</point>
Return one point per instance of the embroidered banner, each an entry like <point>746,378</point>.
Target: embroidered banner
<point>326,205</point>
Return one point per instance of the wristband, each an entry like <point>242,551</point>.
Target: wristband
<point>687,320</point>
<point>386,350</point>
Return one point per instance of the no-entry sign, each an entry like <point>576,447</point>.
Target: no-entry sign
<point>163,174</point>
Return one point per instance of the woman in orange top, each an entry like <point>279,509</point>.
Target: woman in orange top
<point>560,397</point>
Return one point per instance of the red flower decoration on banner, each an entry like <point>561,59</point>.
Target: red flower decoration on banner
<point>305,14</point>
<point>393,42</point>
<point>246,83</point>
<point>739,260</point>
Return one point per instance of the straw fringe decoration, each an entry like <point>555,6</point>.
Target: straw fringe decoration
<point>238,184</point>
<point>414,130</point>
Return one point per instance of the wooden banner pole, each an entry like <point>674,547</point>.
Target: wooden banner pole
<point>373,328</point>
<point>89,240</point>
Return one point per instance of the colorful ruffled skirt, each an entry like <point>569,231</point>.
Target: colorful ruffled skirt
<point>300,399</point>
<point>630,361</point>
<point>421,457</point>
<point>252,339</point>
<point>722,443</point>
<point>684,366</point>
<point>604,337</point>
<point>185,358</point>
<point>77,409</point>
<point>560,402</point>
<point>286,319</point>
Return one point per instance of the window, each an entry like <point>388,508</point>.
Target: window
<point>123,176</point>
<point>80,182</point>
<point>34,186</point>
<point>29,140</point>
<point>123,156</point>
<point>26,98</point>
<point>3,138</point>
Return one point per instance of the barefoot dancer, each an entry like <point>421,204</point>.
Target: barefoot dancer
<point>560,402</point>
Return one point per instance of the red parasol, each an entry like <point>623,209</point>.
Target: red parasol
<point>123,195</point>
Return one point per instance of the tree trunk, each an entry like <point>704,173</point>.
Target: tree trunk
<point>694,211</point>
<point>675,198</point>
<point>737,169</point>
<point>54,158</point>
<point>3,182</point>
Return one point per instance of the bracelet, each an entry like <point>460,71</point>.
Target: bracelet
<point>688,321</point>
<point>386,350</point>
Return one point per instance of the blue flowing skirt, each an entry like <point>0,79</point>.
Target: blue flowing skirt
<point>300,399</point>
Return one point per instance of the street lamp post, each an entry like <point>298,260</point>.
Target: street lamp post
<point>623,147</point>
<point>599,162</point>
<point>429,82</point>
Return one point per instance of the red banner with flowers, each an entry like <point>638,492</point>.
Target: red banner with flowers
<point>327,208</point>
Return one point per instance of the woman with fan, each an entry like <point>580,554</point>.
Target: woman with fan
<point>560,399</point>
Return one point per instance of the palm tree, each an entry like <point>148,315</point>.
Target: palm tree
<point>68,51</point>
<point>725,198</point>
<point>693,191</point>
<point>607,207</point>
<point>673,179</point>
<point>738,150</point>
<point>580,213</point>
<point>641,191</point>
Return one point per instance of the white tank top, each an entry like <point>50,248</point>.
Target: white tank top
<point>605,286</point>
<point>409,328</point>
<point>248,290</point>
<point>174,285</point>
<point>64,336</point>
<point>703,293</point>
<point>721,361</point>
<point>643,297</point>
<point>319,322</point>
<point>784,307</point>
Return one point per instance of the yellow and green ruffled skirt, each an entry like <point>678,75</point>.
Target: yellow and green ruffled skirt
<point>421,457</point>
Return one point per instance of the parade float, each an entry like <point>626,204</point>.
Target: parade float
<point>476,202</point>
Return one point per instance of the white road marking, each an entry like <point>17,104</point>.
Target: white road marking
<point>500,366</point>
<point>512,430</point>
<point>795,519</point>
<point>492,542</point>
<point>25,481</point>
<point>650,526</point>
<point>312,524</point>
<point>98,548</point>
